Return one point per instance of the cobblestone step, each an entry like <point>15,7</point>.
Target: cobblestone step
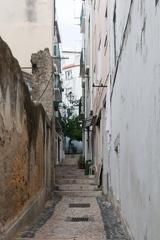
<point>60,171</point>
<point>67,166</point>
<point>75,181</point>
<point>76,187</point>
<point>69,171</point>
<point>78,193</point>
<point>70,176</point>
<point>65,175</point>
<point>71,182</point>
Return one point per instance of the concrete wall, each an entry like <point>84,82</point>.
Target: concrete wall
<point>25,147</point>
<point>135,105</point>
<point>27,26</point>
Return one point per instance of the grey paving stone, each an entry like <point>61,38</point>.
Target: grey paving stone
<point>112,224</point>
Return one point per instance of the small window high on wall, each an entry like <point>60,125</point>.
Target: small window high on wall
<point>68,74</point>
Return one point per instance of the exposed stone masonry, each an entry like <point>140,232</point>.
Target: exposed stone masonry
<point>23,151</point>
<point>42,85</point>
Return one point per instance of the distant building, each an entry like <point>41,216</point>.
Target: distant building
<point>71,81</point>
<point>95,78</point>
<point>59,154</point>
<point>72,94</point>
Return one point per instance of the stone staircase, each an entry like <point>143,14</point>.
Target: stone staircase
<point>71,181</point>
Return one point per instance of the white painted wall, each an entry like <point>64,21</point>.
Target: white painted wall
<point>135,105</point>
<point>97,58</point>
<point>27,26</point>
<point>88,41</point>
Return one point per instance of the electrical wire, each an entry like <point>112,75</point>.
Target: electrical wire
<point>46,86</point>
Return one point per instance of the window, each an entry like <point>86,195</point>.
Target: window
<point>55,50</point>
<point>57,79</point>
<point>156,2</point>
<point>89,27</point>
<point>68,90</point>
<point>68,74</point>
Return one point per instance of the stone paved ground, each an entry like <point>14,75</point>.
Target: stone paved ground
<point>59,226</point>
<point>53,224</point>
<point>30,231</point>
<point>112,224</point>
<point>97,221</point>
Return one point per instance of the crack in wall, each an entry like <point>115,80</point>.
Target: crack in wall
<point>128,23</point>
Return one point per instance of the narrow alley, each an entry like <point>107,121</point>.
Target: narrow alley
<point>79,119</point>
<point>75,212</point>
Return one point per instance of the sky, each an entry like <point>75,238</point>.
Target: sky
<point>67,13</point>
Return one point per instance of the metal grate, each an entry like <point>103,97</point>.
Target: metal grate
<point>78,219</point>
<point>79,205</point>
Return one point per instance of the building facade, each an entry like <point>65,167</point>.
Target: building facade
<point>72,94</point>
<point>121,44</point>
<point>134,68</point>
<point>59,138</point>
<point>71,82</point>
<point>27,27</point>
<point>95,51</point>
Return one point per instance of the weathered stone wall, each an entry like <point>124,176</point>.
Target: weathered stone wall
<point>42,84</point>
<point>43,92</point>
<point>24,156</point>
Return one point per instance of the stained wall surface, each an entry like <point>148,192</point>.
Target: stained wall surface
<point>135,112</point>
<point>27,27</point>
<point>23,140</point>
